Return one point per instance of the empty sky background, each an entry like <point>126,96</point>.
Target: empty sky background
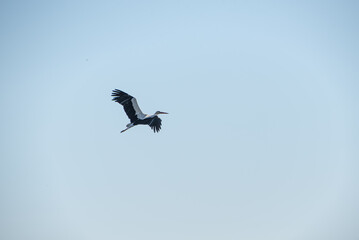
<point>261,142</point>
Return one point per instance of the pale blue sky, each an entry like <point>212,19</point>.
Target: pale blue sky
<point>260,143</point>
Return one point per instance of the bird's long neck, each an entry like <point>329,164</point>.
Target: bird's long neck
<point>151,116</point>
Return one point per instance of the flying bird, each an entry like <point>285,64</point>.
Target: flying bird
<point>134,112</point>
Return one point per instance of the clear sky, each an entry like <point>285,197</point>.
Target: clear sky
<point>261,142</point>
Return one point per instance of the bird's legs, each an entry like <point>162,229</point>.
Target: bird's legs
<point>128,127</point>
<point>125,130</point>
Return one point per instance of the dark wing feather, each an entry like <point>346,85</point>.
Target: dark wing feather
<point>155,123</point>
<point>127,101</point>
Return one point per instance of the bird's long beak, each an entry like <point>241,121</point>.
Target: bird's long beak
<point>162,113</point>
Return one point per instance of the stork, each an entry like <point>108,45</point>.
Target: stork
<point>134,112</point>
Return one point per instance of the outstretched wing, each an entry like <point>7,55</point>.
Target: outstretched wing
<point>129,104</point>
<point>155,123</point>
